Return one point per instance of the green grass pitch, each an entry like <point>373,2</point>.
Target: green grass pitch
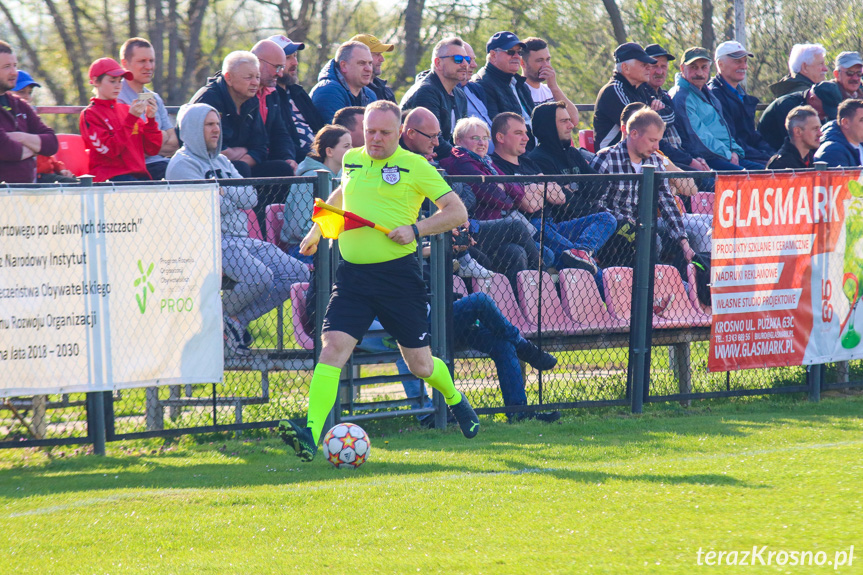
<point>600,492</point>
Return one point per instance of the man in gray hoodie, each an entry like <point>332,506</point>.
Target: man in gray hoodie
<point>263,272</point>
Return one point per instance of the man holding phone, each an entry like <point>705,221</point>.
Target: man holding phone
<point>138,56</point>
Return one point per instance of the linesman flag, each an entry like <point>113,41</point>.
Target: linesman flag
<point>334,221</point>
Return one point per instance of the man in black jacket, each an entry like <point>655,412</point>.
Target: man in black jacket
<point>504,89</point>
<point>738,107</point>
<point>804,137</point>
<point>824,97</point>
<point>301,118</point>
<point>244,140</point>
<point>436,90</point>
<point>628,84</point>
<point>555,154</point>
<point>377,48</point>
<point>272,64</point>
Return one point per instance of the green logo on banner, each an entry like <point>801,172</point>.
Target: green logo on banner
<point>145,284</point>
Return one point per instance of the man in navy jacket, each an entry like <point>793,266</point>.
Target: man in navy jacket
<point>738,107</point>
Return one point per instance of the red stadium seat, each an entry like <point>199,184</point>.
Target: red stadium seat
<point>702,203</point>
<point>275,219</point>
<point>554,318</point>
<point>458,286</point>
<point>580,298</point>
<point>298,306</point>
<point>500,290</point>
<point>585,140</point>
<point>254,226</point>
<point>670,295</point>
<point>73,153</point>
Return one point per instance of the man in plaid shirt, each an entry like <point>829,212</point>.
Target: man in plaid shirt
<point>644,132</point>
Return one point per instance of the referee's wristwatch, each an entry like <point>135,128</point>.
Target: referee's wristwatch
<point>416,232</point>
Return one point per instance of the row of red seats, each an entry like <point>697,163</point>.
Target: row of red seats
<point>579,309</point>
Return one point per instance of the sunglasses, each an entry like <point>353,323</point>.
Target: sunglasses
<point>458,58</point>
<point>852,74</point>
<point>511,52</point>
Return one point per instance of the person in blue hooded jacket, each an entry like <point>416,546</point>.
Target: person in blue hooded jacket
<point>841,140</point>
<point>344,81</point>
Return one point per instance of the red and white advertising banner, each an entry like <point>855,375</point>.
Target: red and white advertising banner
<point>786,268</point>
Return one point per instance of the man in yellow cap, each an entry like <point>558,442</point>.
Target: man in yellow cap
<point>377,48</point>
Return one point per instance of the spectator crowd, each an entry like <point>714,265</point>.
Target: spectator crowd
<point>508,117</point>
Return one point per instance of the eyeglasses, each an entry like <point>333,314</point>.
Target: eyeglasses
<point>480,138</point>
<point>278,68</point>
<point>458,58</point>
<point>510,52</point>
<point>851,74</point>
<point>429,136</point>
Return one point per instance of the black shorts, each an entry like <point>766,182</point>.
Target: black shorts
<point>392,291</point>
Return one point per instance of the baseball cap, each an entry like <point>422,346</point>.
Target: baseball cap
<point>24,80</point>
<point>732,49</point>
<point>287,44</point>
<point>655,50</point>
<point>503,41</point>
<point>828,93</point>
<point>632,51</point>
<point>843,60</point>
<point>373,43</point>
<point>694,54</point>
<point>108,66</point>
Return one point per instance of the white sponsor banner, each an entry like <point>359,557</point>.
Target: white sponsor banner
<point>104,288</point>
<point>763,247</point>
<point>744,275</point>
<point>758,301</point>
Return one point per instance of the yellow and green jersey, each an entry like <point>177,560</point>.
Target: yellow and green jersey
<point>388,192</point>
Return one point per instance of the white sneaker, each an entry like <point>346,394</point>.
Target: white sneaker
<point>233,335</point>
<point>470,268</point>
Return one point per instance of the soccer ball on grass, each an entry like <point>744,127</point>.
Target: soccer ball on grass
<point>347,446</point>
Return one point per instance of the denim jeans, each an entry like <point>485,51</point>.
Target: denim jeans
<point>588,233</point>
<point>494,336</point>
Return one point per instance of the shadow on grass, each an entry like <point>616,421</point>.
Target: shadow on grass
<point>106,475</point>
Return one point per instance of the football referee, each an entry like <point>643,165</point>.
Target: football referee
<point>380,275</point>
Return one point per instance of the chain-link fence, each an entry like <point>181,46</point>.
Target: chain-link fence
<point>564,307</point>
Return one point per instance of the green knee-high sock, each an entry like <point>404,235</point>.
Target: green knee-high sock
<point>440,380</point>
<point>322,396</point>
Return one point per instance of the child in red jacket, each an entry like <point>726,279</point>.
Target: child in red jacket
<point>118,136</point>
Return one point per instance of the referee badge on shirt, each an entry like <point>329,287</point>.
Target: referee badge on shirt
<point>391,175</point>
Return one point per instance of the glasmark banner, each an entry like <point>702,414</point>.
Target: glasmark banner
<point>787,261</point>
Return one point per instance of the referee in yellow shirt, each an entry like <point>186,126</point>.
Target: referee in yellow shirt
<point>380,275</point>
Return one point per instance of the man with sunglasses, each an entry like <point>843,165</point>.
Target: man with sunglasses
<point>847,73</point>
<point>505,90</point>
<point>436,91</point>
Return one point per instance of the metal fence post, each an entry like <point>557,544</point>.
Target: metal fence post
<point>815,374</point>
<point>439,311</point>
<point>323,281</point>
<point>642,316</point>
<point>96,421</point>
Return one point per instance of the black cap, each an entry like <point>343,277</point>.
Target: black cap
<point>828,93</point>
<point>503,41</point>
<point>632,51</point>
<point>655,51</point>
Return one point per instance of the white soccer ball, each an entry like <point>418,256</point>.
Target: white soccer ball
<point>347,446</point>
